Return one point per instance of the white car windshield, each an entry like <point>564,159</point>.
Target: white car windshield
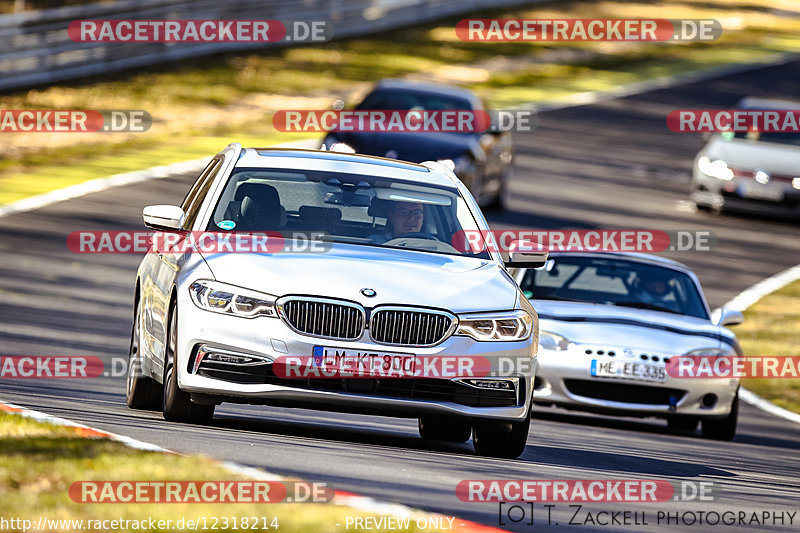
<point>346,208</point>
<point>614,282</point>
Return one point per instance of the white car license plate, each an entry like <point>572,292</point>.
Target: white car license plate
<point>361,362</point>
<point>614,368</point>
<point>757,191</point>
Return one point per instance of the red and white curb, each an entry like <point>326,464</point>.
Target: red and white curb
<point>347,499</point>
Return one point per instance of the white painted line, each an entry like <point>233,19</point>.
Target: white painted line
<point>58,421</point>
<point>741,302</point>
<point>766,405</point>
<point>748,297</point>
<point>348,499</point>
<point>117,180</point>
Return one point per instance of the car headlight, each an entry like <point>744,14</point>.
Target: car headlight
<point>553,341</point>
<point>709,352</point>
<point>716,169</point>
<point>231,300</point>
<point>502,326</point>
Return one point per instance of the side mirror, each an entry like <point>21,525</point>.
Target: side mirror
<point>724,316</point>
<point>163,217</point>
<point>526,255</point>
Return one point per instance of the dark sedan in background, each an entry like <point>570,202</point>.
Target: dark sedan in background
<point>482,160</point>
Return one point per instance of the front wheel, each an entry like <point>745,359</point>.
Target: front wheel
<point>723,429</point>
<point>176,404</point>
<point>497,439</point>
<point>444,428</point>
<point>141,392</point>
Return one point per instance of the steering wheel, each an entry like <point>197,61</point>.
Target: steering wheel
<point>415,235</point>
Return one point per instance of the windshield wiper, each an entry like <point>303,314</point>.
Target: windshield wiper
<point>643,305</point>
<point>558,298</point>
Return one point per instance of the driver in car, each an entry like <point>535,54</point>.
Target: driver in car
<point>654,288</point>
<point>404,218</point>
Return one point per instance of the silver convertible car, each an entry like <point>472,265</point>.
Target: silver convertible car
<point>382,282</point>
<point>610,324</point>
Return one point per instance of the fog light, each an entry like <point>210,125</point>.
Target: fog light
<point>207,354</point>
<point>495,384</point>
<point>709,400</point>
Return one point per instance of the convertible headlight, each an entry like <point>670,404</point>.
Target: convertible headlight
<point>716,169</point>
<point>503,326</point>
<point>230,300</point>
<point>553,341</point>
<point>709,352</point>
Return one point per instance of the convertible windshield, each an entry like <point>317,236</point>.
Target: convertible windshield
<point>346,208</point>
<point>615,282</point>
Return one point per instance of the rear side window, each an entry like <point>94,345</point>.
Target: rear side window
<point>193,201</point>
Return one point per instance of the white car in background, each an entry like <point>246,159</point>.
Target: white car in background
<point>609,324</point>
<point>753,171</point>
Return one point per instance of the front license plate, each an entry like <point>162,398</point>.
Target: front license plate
<point>614,368</point>
<point>757,191</point>
<point>364,363</point>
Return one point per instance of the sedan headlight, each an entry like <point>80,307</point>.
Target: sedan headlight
<point>553,341</point>
<point>716,169</point>
<point>231,300</point>
<point>502,326</point>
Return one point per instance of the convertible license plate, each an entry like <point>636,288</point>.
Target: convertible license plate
<point>366,363</point>
<point>757,191</point>
<point>612,368</point>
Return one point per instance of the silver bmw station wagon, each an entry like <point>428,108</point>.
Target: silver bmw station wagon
<point>369,267</point>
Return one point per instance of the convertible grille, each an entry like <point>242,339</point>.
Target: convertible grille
<point>410,327</point>
<point>323,318</point>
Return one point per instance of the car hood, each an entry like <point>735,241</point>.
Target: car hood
<point>771,158</point>
<point>414,147</point>
<point>640,329</point>
<point>459,284</point>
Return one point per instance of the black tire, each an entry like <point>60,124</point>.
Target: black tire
<point>683,423</point>
<point>444,428</point>
<point>176,404</point>
<point>496,439</point>
<point>141,392</point>
<point>725,428</point>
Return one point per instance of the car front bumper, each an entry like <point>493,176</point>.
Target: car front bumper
<point>564,378</point>
<point>270,339</point>
<point>718,194</point>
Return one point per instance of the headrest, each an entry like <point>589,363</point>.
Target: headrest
<point>313,213</point>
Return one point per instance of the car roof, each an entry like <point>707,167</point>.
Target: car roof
<point>298,159</point>
<point>638,257</point>
<point>751,102</point>
<point>428,87</point>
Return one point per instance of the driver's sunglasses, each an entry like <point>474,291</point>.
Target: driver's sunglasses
<point>405,213</point>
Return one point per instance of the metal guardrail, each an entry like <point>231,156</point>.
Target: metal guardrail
<point>36,48</point>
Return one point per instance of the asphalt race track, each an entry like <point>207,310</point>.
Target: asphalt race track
<point>612,164</point>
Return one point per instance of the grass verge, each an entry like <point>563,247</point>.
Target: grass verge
<point>39,462</point>
<point>772,327</point>
<point>233,96</point>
